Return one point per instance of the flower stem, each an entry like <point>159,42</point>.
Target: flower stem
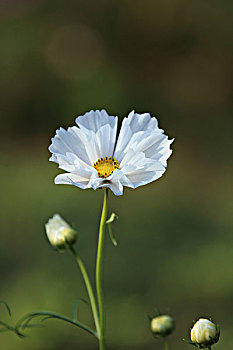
<point>99,260</point>
<point>89,290</point>
<point>165,343</point>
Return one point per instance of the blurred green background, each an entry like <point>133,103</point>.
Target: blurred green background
<point>171,58</point>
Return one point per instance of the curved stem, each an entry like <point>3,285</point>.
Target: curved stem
<point>99,260</point>
<point>165,343</point>
<point>89,290</point>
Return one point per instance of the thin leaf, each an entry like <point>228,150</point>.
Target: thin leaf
<point>6,306</point>
<point>7,328</point>
<point>23,323</point>
<point>5,325</point>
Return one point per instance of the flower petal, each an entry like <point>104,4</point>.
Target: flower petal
<point>106,138</point>
<point>80,179</point>
<point>115,182</point>
<point>94,120</point>
<point>101,128</point>
<point>164,151</point>
<point>116,188</point>
<point>131,125</point>
<point>142,122</point>
<point>72,141</point>
<point>140,170</point>
<point>69,162</point>
<point>153,144</point>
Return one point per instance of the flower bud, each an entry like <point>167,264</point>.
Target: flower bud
<point>162,325</point>
<point>204,333</point>
<point>60,234</point>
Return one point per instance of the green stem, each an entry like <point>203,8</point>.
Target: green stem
<point>165,343</point>
<point>89,290</point>
<point>99,260</point>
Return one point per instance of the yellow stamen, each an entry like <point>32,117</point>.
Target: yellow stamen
<point>106,166</point>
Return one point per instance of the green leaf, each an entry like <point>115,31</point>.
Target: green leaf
<point>7,328</point>
<point>24,322</point>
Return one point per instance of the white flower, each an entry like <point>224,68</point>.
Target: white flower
<point>203,332</point>
<point>60,234</point>
<point>162,325</point>
<point>93,158</point>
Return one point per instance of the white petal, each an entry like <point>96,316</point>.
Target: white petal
<point>70,162</point>
<point>116,188</point>
<point>92,147</point>
<point>115,182</point>
<point>140,178</point>
<point>144,140</point>
<point>64,163</point>
<point>94,120</point>
<point>69,141</point>
<point>136,159</point>
<point>80,179</point>
<point>100,129</point>
<point>153,144</point>
<point>164,151</point>
<point>131,125</point>
<point>76,161</point>
<point>106,138</point>
<point>142,122</point>
<point>141,170</point>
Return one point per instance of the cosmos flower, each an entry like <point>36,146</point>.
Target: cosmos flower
<point>93,156</point>
<point>60,234</point>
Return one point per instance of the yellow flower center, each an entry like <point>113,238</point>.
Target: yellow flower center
<point>106,166</point>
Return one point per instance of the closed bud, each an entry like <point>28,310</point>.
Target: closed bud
<point>60,234</point>
<point>204,333</point>
<point>162,325</point>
